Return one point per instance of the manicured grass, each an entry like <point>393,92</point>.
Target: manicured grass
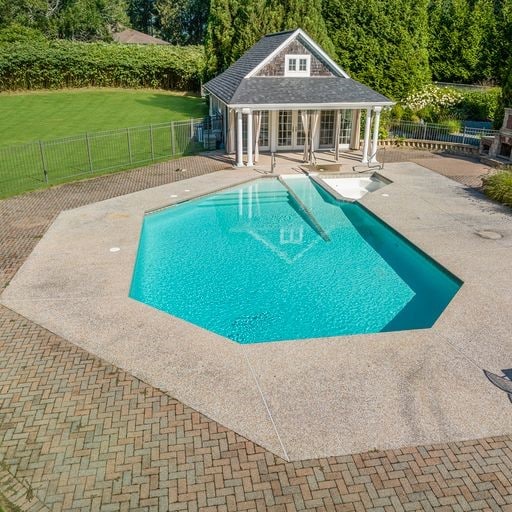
<point>25,117</point>
<point>52,137</point>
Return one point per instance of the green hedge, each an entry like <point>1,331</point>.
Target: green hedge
<point>57,64</point>
<point>479,105</point>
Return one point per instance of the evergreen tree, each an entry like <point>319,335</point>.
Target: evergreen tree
<point>235,25</point>
<point>484,31</point>
<point>142,15</point>
<point>182,21</point>
<point>455,39</point>
<point>506,87</point>
<point>503,41</point>
<point>382,43</point>
<point>506,95</point>
<point>308,16</point>
<point>219,36</point>
<point>89,20</point>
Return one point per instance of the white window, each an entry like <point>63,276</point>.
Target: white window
<point>297,65</point>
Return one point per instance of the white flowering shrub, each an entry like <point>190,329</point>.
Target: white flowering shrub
<point>431,102</point>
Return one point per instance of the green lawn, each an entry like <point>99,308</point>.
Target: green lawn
<point>68,122</point>
<point>47,115</point>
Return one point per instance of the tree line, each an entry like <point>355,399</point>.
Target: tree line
<point>395,46</point>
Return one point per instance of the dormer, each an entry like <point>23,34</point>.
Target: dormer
<point>297,65</point>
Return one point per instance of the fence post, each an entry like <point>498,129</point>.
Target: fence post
<point>43,161</point>
<point>425,131</point>
<point>464,136</point>
<point>89,155</point>
<point>151,142</point>
<point>129,144</point>
<point>191,128</point>
<point>173,141</point>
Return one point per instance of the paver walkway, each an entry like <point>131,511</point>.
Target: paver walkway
<point>80,434</point>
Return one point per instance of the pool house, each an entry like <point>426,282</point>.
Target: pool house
<point>286,94</point>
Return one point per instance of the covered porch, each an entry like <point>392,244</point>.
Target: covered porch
<point>301,131</point>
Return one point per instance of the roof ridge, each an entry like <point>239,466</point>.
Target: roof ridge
<point>290,31</point>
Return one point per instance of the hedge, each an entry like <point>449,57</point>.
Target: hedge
<point>57,64</point>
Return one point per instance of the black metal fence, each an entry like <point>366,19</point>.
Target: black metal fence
<point>37,164</point>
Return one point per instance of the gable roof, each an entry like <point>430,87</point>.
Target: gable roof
<point>225,84</point>
<point>238,85</point>
<point>130,36</point>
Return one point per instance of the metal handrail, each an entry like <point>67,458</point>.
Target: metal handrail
<point>378,165</point>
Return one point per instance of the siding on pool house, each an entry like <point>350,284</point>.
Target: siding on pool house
<point>285,93</point>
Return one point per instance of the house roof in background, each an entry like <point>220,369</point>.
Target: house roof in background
<point>131,36</point>
<point>238,86</point>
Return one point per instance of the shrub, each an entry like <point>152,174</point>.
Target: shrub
<point>453,125</point>
<point>16,33</point>
<point>57,64</point>
<point>432,103</point>
<point>499,187</point>
<point>479,105</point>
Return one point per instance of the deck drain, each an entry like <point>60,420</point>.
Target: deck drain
<point>491,235</point>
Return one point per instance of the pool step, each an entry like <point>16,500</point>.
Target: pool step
<point>265,197</point>
<point>308,214</point>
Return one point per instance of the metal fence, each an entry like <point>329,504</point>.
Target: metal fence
<point>437,132</point>
<point>37,164</point>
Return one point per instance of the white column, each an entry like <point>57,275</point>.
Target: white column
<point>250,161</point>
<point>366,142</point>
<point>375,143</point>
<point>239,140</point>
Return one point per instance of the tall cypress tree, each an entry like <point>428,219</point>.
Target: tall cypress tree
<point>142,14</point>
<point>235,25</point>
<point>383,43</point>
<point>456,34</point>
<point>219,36</point>
<point>308,16</point>
<point>506,95</point>
<point>182,21</point>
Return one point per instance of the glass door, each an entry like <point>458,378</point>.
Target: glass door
<point>285,129</point>
<point>290,134</point>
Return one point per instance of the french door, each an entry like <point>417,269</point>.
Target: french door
<point>290,132</point>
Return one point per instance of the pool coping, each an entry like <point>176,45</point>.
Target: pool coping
<point>307,398</point>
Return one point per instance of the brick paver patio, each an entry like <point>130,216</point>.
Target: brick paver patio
<point>80,434</point>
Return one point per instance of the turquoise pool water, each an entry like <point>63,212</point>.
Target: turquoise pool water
<point>268,262</point>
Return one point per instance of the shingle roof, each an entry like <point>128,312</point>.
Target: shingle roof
<point>225,84</point>
<point>130,36</point>
<point>304,90</point>
<point>233,88</point>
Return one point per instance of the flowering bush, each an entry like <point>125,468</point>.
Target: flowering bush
<point>431,102</point>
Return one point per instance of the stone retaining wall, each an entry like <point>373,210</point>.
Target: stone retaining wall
<point>430,145</point>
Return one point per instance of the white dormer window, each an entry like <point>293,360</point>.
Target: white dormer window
<point>297,65</point>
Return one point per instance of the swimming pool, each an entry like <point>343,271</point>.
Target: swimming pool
<point>280,259</point>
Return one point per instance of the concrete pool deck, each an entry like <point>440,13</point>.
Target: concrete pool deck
<point>299,399</point>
